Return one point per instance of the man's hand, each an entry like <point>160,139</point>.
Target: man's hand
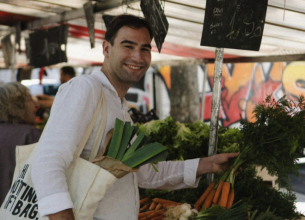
<point>215,164</point>
<point>45,101</point>
<point>62,215</point>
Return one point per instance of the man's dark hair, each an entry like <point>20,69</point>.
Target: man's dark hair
<point>68,70</point>
<point>126,20</point>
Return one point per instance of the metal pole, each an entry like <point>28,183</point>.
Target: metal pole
<point>215,106</point>
<point>13,59</point>
<point>205,77</point>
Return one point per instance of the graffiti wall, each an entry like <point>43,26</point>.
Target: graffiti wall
<point>246,84</point>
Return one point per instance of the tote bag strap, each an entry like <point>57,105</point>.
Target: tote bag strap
<point>101,102</point>
<point>100,131</point>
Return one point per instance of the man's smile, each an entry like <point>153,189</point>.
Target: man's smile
<point>133,67</point>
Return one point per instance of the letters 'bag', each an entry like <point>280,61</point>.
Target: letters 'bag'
<point>87,182</point>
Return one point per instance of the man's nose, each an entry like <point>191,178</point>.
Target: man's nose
<point>137,55</point>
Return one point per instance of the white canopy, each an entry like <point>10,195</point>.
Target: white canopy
<point>283,37</point>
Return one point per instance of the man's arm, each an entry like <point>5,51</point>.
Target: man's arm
<point>182,174</point>
<point>215,164</point>
<point>71,113</point>
<point>62,215</point>
<point>45,101</point>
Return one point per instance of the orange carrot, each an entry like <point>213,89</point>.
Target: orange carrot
<point>202,198</point>
<point>141,215</point>
<point>144,207</point>
<point>150,214</point>
<point>155,214</point>
<point>230,199</point>
<point>224,194</point>
<point>144,214</point>
<point>144,200</point>
<point>164,201</point>
<point>160,217</point>
<point>208,202</point>
<point>159,206</point>
<point>218,191</point>
<point>168,205</point>
<point>152,206</point>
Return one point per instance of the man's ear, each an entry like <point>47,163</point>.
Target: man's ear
<point>106,46</point>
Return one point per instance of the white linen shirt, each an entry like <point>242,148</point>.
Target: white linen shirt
<point>71,112</point>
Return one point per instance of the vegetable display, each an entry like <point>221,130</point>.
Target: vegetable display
<point>273,140</point>
<point>154,208</point>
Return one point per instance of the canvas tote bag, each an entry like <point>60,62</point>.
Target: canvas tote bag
<point>87,182</point>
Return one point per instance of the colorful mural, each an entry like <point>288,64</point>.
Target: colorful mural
<point>246,84</point>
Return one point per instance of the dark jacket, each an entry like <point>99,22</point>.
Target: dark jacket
<point>10,136</point>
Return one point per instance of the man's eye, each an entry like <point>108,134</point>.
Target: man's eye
<point>128,46</point>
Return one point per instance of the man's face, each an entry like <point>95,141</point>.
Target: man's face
<point>128,59</point>
<point>64,77</point>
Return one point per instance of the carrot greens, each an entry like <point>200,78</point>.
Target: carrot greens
<point>273,139</point>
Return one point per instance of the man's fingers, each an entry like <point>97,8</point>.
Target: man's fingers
<point>233,155</point>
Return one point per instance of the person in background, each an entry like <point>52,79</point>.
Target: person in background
<point>17,127</point>
<point>66,73</point>
<point>127,52</point>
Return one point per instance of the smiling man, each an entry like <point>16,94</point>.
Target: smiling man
<point>127,51</point>
<point>127,56</point>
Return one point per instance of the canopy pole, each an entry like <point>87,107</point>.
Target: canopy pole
<point>215,106</point>
<point>205,77</point>
<point>13,59</point>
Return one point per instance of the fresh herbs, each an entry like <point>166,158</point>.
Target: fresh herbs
<point>272,140</point>
<point>251,189</point>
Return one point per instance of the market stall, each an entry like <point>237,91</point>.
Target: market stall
<point>242,30</point>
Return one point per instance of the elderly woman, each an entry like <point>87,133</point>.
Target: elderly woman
<point>17,121</point>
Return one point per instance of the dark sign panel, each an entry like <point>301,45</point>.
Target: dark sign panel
<point>153,12</point>
<point>7,50</point>
<point>88,9</point>
<point>236,24</point>
<point>48,47</point>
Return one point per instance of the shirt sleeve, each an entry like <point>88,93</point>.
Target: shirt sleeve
<point>71,112</point>
<point>171,175</point>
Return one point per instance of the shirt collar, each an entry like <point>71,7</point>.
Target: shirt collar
<point>103,79</point>
<point>105,82</point>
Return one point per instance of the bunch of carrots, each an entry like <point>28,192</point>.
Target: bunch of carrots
<point>154,209</point>
<point>220,192</point>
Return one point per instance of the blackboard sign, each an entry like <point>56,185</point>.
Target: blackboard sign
<point>153,12</point>
<point>236,24</point>
<point>48,47</point>
<point>88,9</point>
<point>7,48</point>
